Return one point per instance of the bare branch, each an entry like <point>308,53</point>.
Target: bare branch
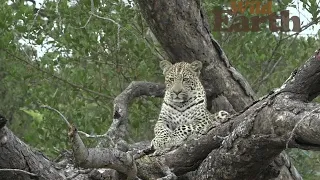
<point>101,157</point>
<point>92,13</point>
<point>118,128</point>
<point>80,132</point>
<point>313,22</point>
<point>53,109</point>
<point>269,71</point>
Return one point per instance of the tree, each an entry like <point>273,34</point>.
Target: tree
<point>248,146</point>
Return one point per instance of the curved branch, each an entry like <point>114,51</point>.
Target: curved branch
<point>118,129</point>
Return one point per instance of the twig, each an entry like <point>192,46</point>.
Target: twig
<point>112,144</point>
<point>98,136</point>
<point>315,21</point>
<point>20,170</point>
<point>259,79</point>
<point>92,136</point>
<point>154,49</point>
<point>265,76</point>
<point>80,132</point>
<point>108,19</point>
<point>35,17</point>
<point>63,117</point>
<point>87,22</point>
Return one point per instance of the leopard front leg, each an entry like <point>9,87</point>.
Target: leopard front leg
<point>180,134</point>
<point>173,140</point>
<point>161,145</point>
<point>161,141</point>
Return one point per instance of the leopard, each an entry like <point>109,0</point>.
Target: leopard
<point>184,108</point>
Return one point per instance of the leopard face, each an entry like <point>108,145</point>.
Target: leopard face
<point>182,82</point>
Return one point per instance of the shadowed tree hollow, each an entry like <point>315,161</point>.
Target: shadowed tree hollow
<point>249,146</point>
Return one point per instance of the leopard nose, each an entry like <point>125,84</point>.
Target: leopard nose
<point>177,91</point>
<point>177,88</point>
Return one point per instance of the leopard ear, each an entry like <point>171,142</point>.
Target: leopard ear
<point>196,66</point>
<point>165,65</point>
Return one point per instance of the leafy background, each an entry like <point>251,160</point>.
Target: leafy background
<point>77,56</point>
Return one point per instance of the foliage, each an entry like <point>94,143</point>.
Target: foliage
<point>78,56</point>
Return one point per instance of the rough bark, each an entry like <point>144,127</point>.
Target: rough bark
<point>119,127</point>
<point>15,154</point>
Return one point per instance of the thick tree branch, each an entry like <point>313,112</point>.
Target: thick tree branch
<point>101,157</point>
<point>119,127</point>
<point>269,126</point>
<point>305,82</point>
<point>259,135</point>
<point>15,154</point>
<point>247,146</point>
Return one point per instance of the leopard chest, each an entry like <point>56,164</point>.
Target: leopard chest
<point>174,118</point>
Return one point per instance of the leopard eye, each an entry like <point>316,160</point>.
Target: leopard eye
<point>170,79</point>
<point>185,79</point>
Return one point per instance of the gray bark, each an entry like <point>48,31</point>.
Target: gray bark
<point>15,154</point>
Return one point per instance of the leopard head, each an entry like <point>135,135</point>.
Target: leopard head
<point>182,81</point>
